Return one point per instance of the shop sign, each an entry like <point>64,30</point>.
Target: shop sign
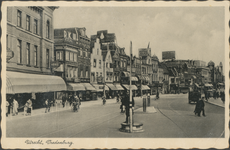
<point>55,64</point>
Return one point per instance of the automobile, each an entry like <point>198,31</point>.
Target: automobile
<point>193,95</point>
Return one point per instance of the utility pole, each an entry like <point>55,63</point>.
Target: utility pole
<point>130,93</point>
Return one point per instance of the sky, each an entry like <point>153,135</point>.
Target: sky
<point>192,32</point>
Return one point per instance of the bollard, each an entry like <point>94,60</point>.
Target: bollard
<point>148,100</point>
<point>144,104</point>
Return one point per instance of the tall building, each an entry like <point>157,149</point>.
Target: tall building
<point>72,52</point>
<point>30,55</point>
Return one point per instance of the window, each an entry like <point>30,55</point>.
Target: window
<point>106,65</point>
<point>94,63</point>
<point>80,53</point>
<point>19,18</point>
<point>124,64</point>
<point>83,54</point>
<point>75,57</point>
<point>19,50</point>
<point>47,29</point>
<point>67,56</point>
<point>86,54</point>
<point>57,55</point>
<point>86,74</point>
<point>28,53</point>
<point>71,56</point>
<point>35,55</point>
<point>107,75</point>
<point>96,74</point>
<point>47,58</point>
<point>101,74</point>
<point>99,63</point>
<point>81,73</point>
<point>35,26</point>
<point>27,22</point>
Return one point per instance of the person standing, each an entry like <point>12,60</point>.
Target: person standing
<point>7,108</point>
<point>47,103</point>
<point>126,103</point>
<point>15,107</point>
<point>29,105</point>
<point>63,100</point>
<point>200,107</point>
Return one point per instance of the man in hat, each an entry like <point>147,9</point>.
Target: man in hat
<point>200,107</point>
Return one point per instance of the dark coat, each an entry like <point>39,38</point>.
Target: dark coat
<point>126,103</point>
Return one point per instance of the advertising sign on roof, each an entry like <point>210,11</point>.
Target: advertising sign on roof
<point>168,55</point>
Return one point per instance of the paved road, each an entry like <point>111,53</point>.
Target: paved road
<point>174,118</point>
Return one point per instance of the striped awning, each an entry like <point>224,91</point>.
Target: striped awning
<point>75,87</point>
<point>111,86</point>
<point>17,82</point>
<point>134,79</point>
<point>119,87</point>
<point>88,87</point>
<point>145,87</point>
<point>126,73</point>
<point>100,87</point>
<point>133,87</point>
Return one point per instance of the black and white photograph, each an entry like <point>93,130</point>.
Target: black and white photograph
<point>115,75</point>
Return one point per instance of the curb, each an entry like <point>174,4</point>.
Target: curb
<point>214,104</point>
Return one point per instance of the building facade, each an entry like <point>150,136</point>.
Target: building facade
<point>72,53</point>
<point>30,54</point>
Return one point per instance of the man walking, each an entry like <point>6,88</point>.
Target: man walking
<point>200,107</point>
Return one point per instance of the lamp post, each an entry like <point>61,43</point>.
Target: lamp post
<point>130,92</point>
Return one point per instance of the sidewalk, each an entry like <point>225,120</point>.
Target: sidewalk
<point>217,102</point>
<point>59,107</point>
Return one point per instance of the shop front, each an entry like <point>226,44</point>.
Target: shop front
<point>112,90</point>
<point>24,86</point>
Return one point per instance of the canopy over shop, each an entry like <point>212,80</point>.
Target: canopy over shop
<point>32,83</point>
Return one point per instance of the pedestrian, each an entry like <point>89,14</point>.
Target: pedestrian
<point>47,104</point>
<point>63,100</point>
<point>127,109</point>
<point>29,107</point>
<point>7,108</point>
<point>122,103</point>
<point>103,100</point>
<point>118,97</point>
<point>15,107</point>
<point>200,107</point>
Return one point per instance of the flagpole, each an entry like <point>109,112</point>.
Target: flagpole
<point>130,91</point>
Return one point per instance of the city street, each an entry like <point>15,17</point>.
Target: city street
<point>174,118</point>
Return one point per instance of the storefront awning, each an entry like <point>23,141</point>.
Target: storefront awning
<point>119,87</point>
<point>133,87</point>
<point>111,86</point>
<point>32,83</point>
<point>75,87</point>
<point>134,79</point>
<point>208,84</point>
<point>88,87</point>
<point>126,74</point>
<point>140,77</point>
<point>98,87</point>
<point>145,87</point>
